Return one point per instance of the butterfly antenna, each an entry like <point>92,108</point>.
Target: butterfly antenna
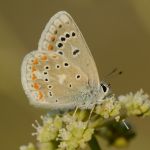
<point>113,73</point>
<point>125,124</point>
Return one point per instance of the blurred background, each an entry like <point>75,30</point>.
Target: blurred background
<point>118,34</point>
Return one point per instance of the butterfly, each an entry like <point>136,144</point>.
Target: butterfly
<point>61,73</point>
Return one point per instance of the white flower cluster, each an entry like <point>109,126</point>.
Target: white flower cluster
<point>109,108</point>
<point>75,134</point>
<point>71,132</point>
<point>137,104</point>
<point>49,130</point>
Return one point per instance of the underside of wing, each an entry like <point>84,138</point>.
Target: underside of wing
<point>52,81</point>
<point>62,36</point>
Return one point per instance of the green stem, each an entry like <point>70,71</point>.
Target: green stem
<point>94,145</point>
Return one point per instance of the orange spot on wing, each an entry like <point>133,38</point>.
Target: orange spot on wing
<point>40,95</point>
<point>53,38</point>
<point>50,47</point>
<point>35,62</point>
<point>33,68</point>
<point>34,77</point>
<point>36,86</point>
<point>44,57</point>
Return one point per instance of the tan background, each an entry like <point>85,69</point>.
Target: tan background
<point>117,32</point>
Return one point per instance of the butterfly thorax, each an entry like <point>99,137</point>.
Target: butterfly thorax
<point>88,98</point>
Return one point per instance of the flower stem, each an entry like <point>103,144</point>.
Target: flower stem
<point>94,144</point>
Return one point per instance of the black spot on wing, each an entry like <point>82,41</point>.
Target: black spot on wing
<point>76,51</point>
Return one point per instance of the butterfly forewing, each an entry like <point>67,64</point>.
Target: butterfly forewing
<point>62,35</point>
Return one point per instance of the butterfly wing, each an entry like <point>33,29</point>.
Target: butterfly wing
<point>50,80</point>
<point>62,72</point>
<point>62,35</point>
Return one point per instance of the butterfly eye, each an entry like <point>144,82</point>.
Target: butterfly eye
<point>104,88</point>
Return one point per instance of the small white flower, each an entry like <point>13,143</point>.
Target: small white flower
<point>109,108</point>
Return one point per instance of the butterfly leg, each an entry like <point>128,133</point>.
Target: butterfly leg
<point>91,112</point>
<point>76,109</point>
<point>123,121</point>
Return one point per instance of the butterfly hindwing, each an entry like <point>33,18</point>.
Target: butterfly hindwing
<point>62,35</point>
<point>50,80</point>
